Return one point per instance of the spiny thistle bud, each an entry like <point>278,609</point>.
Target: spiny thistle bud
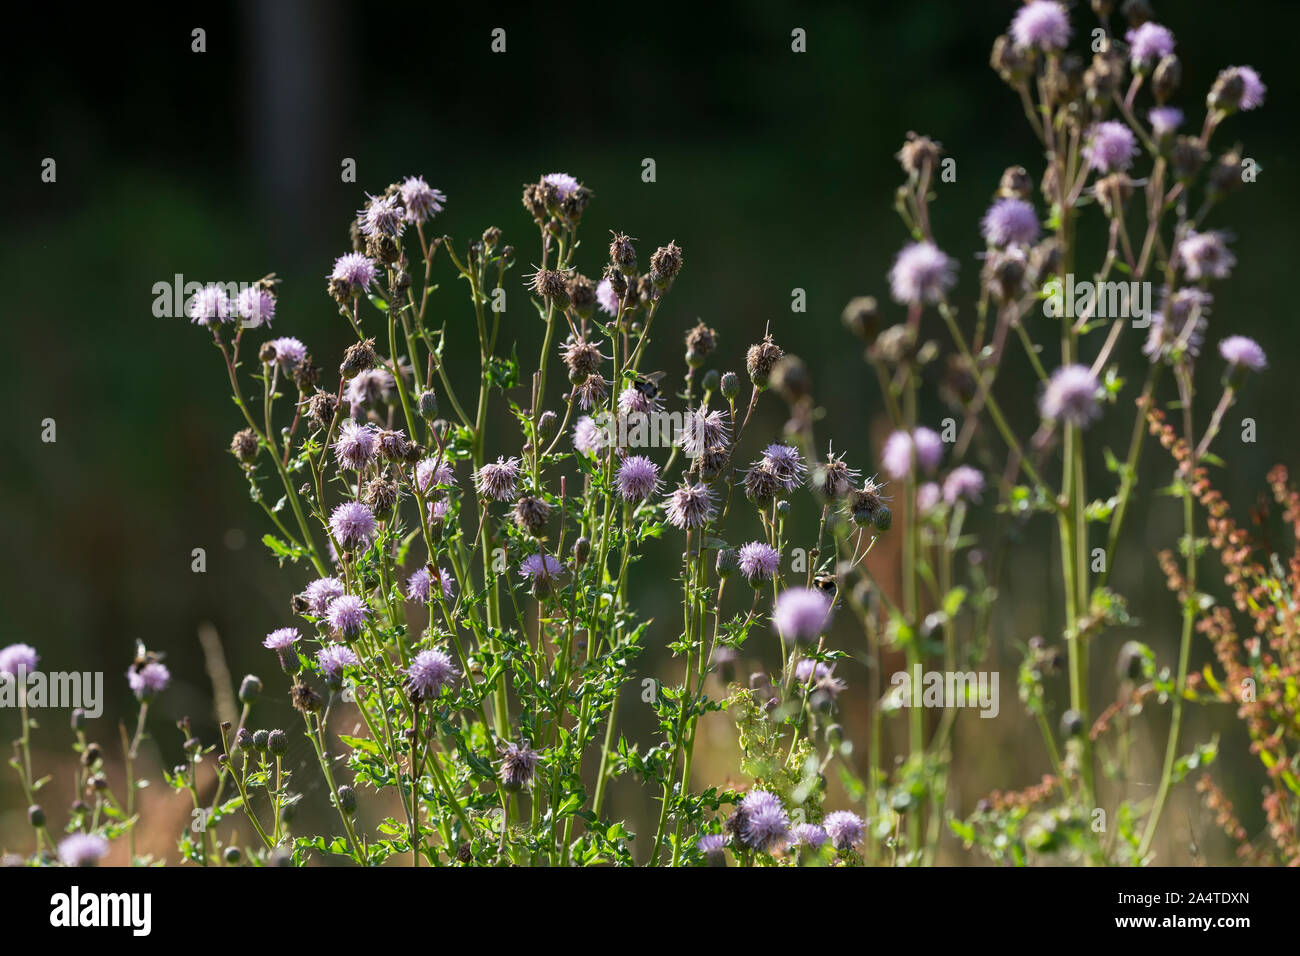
<point>729,386</point>
<point>700,341</point>
<point>1016,183</point>
<point>665,264</point>
<point>547,424</point>
<point>884,518</point>
<point>582,295</point>
<point>428,405</point>
<point>790,378</point>
<point>862,317</point>
<point>918,154</point>
<point>760,359</point>
<point>244,445</point>
<point>357,358</point>
<point>244,739</point>
<point>711,380</point>
<point>581,551</point>
<point>321,408</point>
<point>347,798</point>
<point>623,255</point>
<point>553,286</point>
<point>250,688</point>
<point>305,698</point>
<point>266,354</point>
<point>531,514</point>
<point>381,496</point>
<point>277,742</point>
<point>1009,61</point>
<point>1167,77</point>
<point>260,738</point>
<point>727,563</point>
<point>1071,723</point>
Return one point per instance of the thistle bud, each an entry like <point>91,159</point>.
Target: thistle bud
<point>1016,183</point>
<point>250,688</point>
<point>428,405</point>
<point>862,317</point>
<point>244,739</point>
<point>277,742</point>
<point>729,386</point>
<point>36,816</point>
<point>711,380</point>
<point>1166,79</point>
<point>623,254</point>
<point>244,445</point>
<point>547,424</point>
<point>727,563</point>
<point>261,739</point>
<point>347,798</point>
<point>581,551</point>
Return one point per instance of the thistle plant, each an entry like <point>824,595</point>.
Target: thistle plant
<point>463,621</point>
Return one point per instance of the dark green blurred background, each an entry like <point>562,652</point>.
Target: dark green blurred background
<point>775,171</point>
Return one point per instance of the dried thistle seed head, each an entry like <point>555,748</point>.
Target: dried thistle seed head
<point>918,154</point>
<point>834,478</point>
<point>761,485</point>
<point>306,374</point>
<point>700,341</point>
<point>665,264</point>
<point>321,408</point>
<point>305,699</point>
<point>534,200</point>
<point>357,358</point>
<point>1187,157</point>
<point>1104,76</point>
<point>622,254</point>
<point>760,359</point>
<point>582,358</point>
<point>790,378</point>
<point>244,445</point>
<point>381,496</point>
<point>1166,79</point>
<point>574,204</point>
<point>959,386</point>
<point>392,444</point>
<point>1063,79</point>
<point>1009,61</point>
<point>582,295</point>
<point>1016,183</point>
<point>864,503</point>
<point>1004,273</point>
<point>491,236</point>
<point>617,281</point>
<point>1113,193</point>
<point>894,346</point>
<point>553,286</point>
<point>645,290</point>
<point>729,385</point>
<point>383,248</point>
<point>1225,174</point>
<point>862,317</point>
<point>712,463</point>
<point>531,514</point>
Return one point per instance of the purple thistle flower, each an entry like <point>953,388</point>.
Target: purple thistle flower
<point>691,506</point>
<point>418,585</point>
<point>497,480</point>
<point>355,269</point>
<point>289,352</point>
<point>422,201</point>
<point>606,297</point>
<point>588,437</point>
<point>372,387</point>
<point>518,766</point>
<point>845,829</point>
<point>965,483</point>
<point>347,615</point>
<point>638,478</point>
<point>284,638</point>
<point>896,456</point>
<point>149,680</point>
<point>564,184</point>
<point>801,614</point>
<point>332,658</point>
<point>383,215</point>
<point>210,304</point>
<point>1165,120</point>
<point>929,448</point>
<point>1110,146</point>
<point>430,672</point>
<point>1041,25</point>
<point>766,824</point>
<point>702,430</point>
<point>928,497</point>
<point>255,306</point>
<point>807,669</point>
<point>1010,221</point>
<point>713,845</point>
<point>1071,396</point>
<point>540,567</point>
<point>353,524</point>
<point>1242,352</point>
<point>82,849</point>
<point>1205,255</point>
<point>1149,44</point>
<point>785,462</point>
<point>356,445</point>
<point>633,400</point>
<point>921,274</point>
<point>435,473</point>
<point>809,835</point>
<point>758,560</point>
<point>319,594</point>
<point>1252,95</point>
<point>18,658</point>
